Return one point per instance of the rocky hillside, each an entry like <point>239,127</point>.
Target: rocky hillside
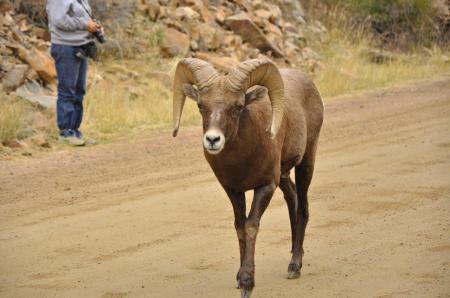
<point>225,32</point>
<point>26,67</point>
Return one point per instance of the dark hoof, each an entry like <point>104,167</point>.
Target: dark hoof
<point>293,271</point>
<point>246,283</point>
<point>246,293</point>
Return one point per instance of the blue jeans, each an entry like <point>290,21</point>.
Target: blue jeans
<point>72,73</point>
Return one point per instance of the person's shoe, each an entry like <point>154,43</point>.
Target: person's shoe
<point>78,133</point>
<point>69,137</point>
<point>72,141</point>
<point>88,142</point>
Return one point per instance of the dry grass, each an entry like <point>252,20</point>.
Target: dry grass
<point>346,51</point>
<point>349,69</point>
<point>130,98</point>
<point>13,118</point>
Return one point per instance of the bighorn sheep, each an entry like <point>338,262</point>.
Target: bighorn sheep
<point>252,139</point>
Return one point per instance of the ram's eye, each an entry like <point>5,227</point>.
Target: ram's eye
<point>237,110</point>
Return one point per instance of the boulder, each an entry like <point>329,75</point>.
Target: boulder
<point>41,33</point>
<point>210,38</point>
<point>186,13</point>
<point>271,28</point>
<point>199,6</point>
<point>241,24</point>
<point>32,75</point>
<point>292,10</point>
<point>272,12</point>
<point>263,13</point>
<point>5,6</point>
<point>206,15</point>
<point>151,7</point>
<point>34,93</point>
<point>23,25</point>
<point>6,64</point>
<point>175,43</point>
<point>291,50</point>
<point>221,15</point>
<point>41,62</point>
<point>7,20</point>
<point>289,27</point>
<point>171,23</point>
<point>116,15</point>
<point>15,77</point>
<point>194,45</point>
<point>17,35</point>
<point>223,64</point>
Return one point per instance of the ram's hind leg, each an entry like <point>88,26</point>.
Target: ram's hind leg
<point>290,196</point>
<point>303,176</point>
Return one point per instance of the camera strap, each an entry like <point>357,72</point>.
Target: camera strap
<point>81,2</point>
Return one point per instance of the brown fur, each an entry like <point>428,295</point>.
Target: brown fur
<point>252,160</point>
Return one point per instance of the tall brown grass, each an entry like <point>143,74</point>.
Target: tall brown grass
<point>13,118</point>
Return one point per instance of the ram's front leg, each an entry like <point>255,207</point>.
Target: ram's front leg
<point>238,201</point>
<point>260,202</point>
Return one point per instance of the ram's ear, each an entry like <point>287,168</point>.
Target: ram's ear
<point>255,93</point>
<point>190,92</point>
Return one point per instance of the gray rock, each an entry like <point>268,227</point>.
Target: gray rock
<point>6,65</point>
<point>114,14</point>
<point>15,77</point>
<point>241,24</point>
<point>175,43</point>
<point>34,93</point>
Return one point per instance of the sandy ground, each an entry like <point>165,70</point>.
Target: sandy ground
<point>146,217</point>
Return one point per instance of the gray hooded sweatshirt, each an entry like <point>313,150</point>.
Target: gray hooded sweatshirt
<point>67,21</point>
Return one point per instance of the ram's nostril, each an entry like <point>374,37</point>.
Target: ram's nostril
<point>213,139</point>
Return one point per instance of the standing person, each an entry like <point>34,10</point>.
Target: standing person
<point>71,29</point>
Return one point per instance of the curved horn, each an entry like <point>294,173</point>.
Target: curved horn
<point>265,73</point>
<point>189,71</point>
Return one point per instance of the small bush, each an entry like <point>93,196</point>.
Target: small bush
<point>399,23</point>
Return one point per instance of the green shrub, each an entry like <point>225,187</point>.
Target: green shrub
<point>401,23</point>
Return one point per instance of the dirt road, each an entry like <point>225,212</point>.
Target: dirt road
<point>146,217</point>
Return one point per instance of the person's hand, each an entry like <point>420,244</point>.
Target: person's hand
<point>93,26</point>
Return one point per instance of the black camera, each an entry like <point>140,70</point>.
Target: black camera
<point>100,36</point>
